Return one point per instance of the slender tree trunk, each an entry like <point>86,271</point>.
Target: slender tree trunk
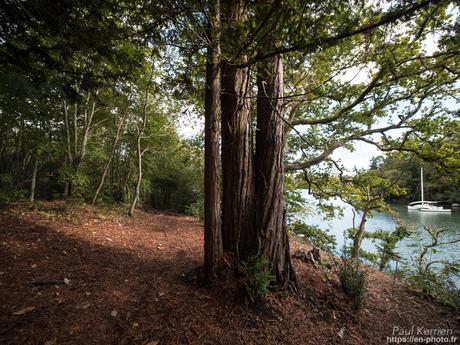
<point>84,141</point>
<point>67,187</point>
<point>112,152</point>
<point>269,171</point>
<point>75,129</point>
<point>79,154</point>
<point>361,229</point>
<point>34,180</point>
<point>125,186</point>
<point>67,131</point>
<point>140,133</point>
<point>212,216</point>
<point>139,176</point>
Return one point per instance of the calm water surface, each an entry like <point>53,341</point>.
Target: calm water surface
<point>406,248</point>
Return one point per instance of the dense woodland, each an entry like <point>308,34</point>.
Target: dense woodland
<point>93,94</point>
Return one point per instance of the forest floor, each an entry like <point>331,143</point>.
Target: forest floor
<point>86,275</point>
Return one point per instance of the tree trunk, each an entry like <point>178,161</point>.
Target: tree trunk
<point>212,221</point>
<point>112,152</point>
<point>237,162</point>
<point>140,133</point>
<point>79,155</point>
<point>125,187</point>
<point>34,180</point>
<point>87,127</point>
<point>360,234</point>
<point>67,131</point>
<point>139,176</point>
<point>270,220</point>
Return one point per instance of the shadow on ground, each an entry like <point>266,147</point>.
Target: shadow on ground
<point>129,282</point>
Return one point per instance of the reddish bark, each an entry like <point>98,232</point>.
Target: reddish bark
<point>269,171</point>
<point>237,163</point>
<point>212,221</point>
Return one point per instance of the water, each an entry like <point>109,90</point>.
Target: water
<point>406,248</point>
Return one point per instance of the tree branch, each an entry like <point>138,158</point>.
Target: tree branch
<point>325,42</point>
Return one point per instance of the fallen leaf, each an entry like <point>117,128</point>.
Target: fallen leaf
<point>114,313</point>
<point>33,266</point>
<point>66,281</point>
<point>23,311</point>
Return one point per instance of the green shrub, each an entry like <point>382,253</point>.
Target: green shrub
<point>387,242</point>
<point>432,277</point>
<point>196,209</point>
<point>353,279</point>
<point>256,278</point>
<point>436,284</point>
<point>318,237</point>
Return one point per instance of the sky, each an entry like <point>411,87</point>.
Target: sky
<point>360,158</point>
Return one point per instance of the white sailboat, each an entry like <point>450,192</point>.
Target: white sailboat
<point>426,206</point>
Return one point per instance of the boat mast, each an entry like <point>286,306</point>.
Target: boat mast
<point>421,183</point>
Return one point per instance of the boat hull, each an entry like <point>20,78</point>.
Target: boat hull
<point>435,210</point>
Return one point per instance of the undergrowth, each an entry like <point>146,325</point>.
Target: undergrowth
<point>354,282</point>
<point>256,278</point>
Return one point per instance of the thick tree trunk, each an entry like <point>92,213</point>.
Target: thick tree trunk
<point>212,221</point>
<point>238,236</point>
<point>269,171</point>
<point>34,180</point>
<point>237,163</point>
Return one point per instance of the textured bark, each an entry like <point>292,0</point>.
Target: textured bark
<point>238,234</point>
<point>237,163</point>
<point>212,221</point>
<point>270,220</point>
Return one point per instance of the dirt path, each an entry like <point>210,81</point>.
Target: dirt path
<point>128,281</point>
